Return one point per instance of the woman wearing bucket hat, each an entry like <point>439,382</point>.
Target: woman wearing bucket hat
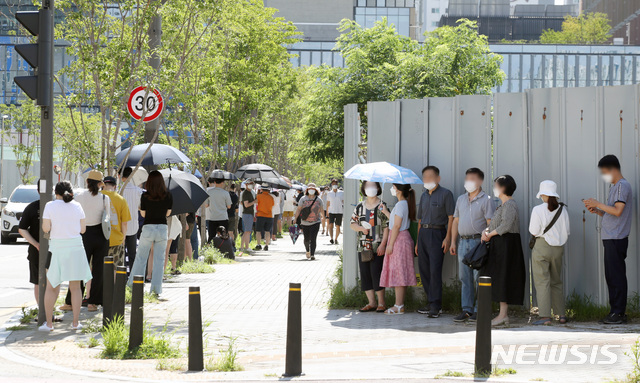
<point>310,211</point>
<point>549,227</point>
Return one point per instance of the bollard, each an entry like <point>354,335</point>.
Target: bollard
<point>196,357</point>
<point>483,327</point>
<point>293,366</point>
<point>107,291</point>
<point>119,292</point>
<point>137,302</point>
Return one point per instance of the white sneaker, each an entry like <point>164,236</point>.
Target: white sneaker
<point>78,327</point>
<point>44,327</point>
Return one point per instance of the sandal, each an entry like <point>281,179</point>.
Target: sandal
<point>65,307</point>
<point>395,310</point>
<point>381,309</point>
<point>542,322</point>
<point>562,319</point>
<point>367,308</point>
<point>92,308</point>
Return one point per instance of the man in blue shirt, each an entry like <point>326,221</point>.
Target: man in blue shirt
<point>435,214</point>
<point>616,225</point>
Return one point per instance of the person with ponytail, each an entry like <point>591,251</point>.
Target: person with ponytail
<point>398,270</point>
<point>549,226</point>
<point>223,243</point>
<point>64,220</point>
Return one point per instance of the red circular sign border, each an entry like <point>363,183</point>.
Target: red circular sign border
<point>147,118</point>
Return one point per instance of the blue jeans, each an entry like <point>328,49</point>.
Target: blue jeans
<point>468,276</point>
<point>195,242</point>
<point>156,236</point>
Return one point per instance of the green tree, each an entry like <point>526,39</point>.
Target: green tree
<point>589,28</point>
<point>22,133</point>
<point>381,65</point>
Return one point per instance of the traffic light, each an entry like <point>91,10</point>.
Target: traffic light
<point>39,55</point>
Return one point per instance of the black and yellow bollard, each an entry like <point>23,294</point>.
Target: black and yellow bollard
<point>137,301</point>
<point>107,291</point>
<point>293,366</point>
<point>119,292</point>
<point>196,357</point>
<point>483,327</point>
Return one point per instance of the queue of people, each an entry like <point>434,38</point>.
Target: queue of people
<point>476,220</point>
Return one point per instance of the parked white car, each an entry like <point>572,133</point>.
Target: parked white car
<point>12,211</point>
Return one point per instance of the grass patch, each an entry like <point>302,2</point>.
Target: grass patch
<point>170,365</point>
<point>155,344</point>
<point>213,256</point>
<point>18,328</point>
<point>28,315</point>
<point>91,343</point>
<point>453,374</point>
<point>195,267</point>
<point>497,372</point>
<point>93,325</point>
<point>227,361</point>
<point>634,354</point>
<point>582,308</point>
<point>148,297</point>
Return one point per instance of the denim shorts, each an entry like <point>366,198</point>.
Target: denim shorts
<point>247,223</point>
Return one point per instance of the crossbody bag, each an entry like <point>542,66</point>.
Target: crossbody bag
<point>532,241</point>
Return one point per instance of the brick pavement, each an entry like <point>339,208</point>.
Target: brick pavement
<point>248,300</point>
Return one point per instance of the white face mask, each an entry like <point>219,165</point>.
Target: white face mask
<point>470,186</point>
<point>312,191</point>
<point>249,187</point>
<point>430,185</point>
<point>608,178</point>
<point>393,191</point>
<point>496,192</point>
<point>371,192</point>
<point>334,187</point>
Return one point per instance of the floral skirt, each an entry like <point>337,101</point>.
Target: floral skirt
<point>398,269</point>
<point>68,261</point>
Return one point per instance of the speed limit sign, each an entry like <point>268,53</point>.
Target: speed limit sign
<point>147,102</point>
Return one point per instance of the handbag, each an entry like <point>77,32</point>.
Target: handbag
<point>106,219</point>
<point>532,241</point>
<point>306,211</point>
<point>477,257</point>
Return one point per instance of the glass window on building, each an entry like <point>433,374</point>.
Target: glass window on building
<point>305,58</point>
<point>570,73</point>
<point>616,70</point>
<point>362,3</point>
<point>627,77</point>
<point>435,10</point>
<point>381,3</point>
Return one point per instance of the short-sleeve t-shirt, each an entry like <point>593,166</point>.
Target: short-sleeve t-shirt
<point>65,218</point>
<point>265,204</point>
<point>316,209</point>
<point>219,199</point>
<point>247,196</point>
<point>155,211</point>
<point>618,227</point>
<point>30,222</point>
<point>400,210</point>
<point>119,213</point>
<point>92,205</point>
<point>231,212</point>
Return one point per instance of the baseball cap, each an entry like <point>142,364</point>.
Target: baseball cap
<point>95,175</point>
<point>110,180</point>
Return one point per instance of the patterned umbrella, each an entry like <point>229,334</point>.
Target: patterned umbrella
<point>294,233</point>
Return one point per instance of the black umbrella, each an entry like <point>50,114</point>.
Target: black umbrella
<point>277,183</point>
<point>186,190</point>
<point>257,172</point>
<point>223,175</point>
<point>158,154</point>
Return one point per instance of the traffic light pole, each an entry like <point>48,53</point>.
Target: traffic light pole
<point>45,184</point>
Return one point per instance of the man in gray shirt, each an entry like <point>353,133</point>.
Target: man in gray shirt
<point>435,213</point>
<point>616,225</point>
<point>473,214</point>
<point>217,205</point>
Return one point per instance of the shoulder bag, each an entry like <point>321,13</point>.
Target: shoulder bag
<point>477,257</point>
<point>106,219</point>
<point>306,211</point>
<point>532,241</point>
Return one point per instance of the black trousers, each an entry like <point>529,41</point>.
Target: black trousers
<point>370,273</point>
<point>96,247</point>
<point>430,259</point>
<point>310,235</point>
<point>615,272</point>
<point>130,247</point>
<point>212,227</point>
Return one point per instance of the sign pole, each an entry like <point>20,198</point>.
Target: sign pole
<point>45,184</point>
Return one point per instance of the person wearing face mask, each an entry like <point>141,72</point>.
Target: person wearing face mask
<point>247,200</point>
<point>473,213</point>
<point>310,220</point>
<point>335,206</point>
<point>550,226</point>
<point>505,265</point>
<point>397,270</point>
<point>435,213</point>
<point>372,226</point>
<point>616,216</point>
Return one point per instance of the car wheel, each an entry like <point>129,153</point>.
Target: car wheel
<point>5,240</point>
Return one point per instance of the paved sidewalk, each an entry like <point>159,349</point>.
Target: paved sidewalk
<point>248,300</point>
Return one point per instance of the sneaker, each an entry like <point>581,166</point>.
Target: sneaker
<point>473,317</point>
<point>614,318</point>
<point>424,310</point>
<point>435,313</point>
<point>45,328</point>
<point>266,248</point>
<point>257,247</point>
<point>312,258</point>
<point>462,317</point>
<point>78,327</point>
<point>335,242</point>
<point>331,242</point>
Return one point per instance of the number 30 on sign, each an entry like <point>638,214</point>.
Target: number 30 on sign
<point>147,102</point>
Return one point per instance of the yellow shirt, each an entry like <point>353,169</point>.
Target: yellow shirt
<point>119,213</point>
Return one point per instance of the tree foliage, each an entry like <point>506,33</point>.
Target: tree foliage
<point>381,65</point>
<point>22,133</point>
<point>590,28</point>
